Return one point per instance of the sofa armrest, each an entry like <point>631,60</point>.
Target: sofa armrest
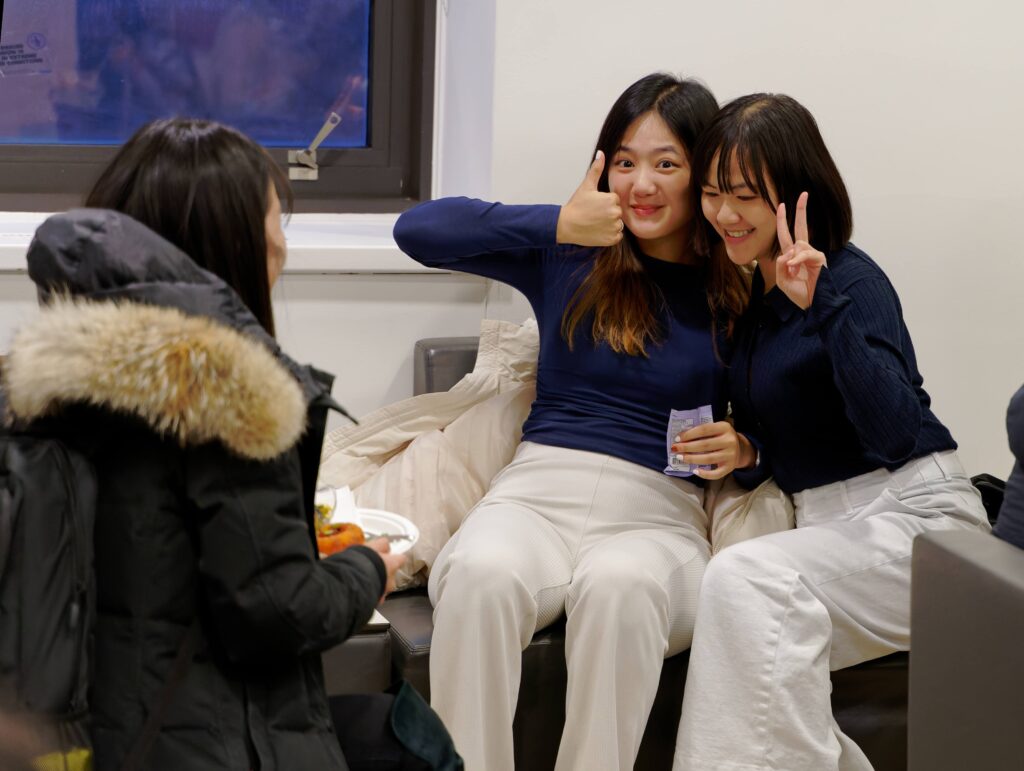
<point>441,362</point>
<point>967,662</point>
<point>360,664</point>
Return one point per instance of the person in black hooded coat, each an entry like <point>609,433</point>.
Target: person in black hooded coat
<point>206,441</point>
<point>1010,525</point>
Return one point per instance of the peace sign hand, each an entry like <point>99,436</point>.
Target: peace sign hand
<point>591,218</point>
<point>799,265</point>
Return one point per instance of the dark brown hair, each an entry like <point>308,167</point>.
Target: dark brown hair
<point>776,140</point>
<point>624,303</point>
<point>204,187</point>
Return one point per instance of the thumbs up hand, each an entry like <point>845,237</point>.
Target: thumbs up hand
<point>590,217</point>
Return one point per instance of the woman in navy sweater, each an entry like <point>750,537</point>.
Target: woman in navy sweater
<point>584,521</point>
<point>824,375</point>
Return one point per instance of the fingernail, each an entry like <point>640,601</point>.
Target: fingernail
<point>680,459</point>
<point>678,438</point>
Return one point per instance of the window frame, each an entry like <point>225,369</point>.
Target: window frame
<point>390,174</point>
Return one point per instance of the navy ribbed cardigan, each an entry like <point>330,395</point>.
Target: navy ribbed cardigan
<point>832,392</point>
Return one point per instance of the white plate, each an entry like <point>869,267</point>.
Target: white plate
<point>381,522</point>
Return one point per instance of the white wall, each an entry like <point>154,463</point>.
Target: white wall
<point>363,328</point>
<point>920,103</point>
<point>464,86</point>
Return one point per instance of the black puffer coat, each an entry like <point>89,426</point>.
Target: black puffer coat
<point>206,441</point>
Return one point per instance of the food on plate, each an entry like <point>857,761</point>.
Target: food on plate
<point>334,537</point>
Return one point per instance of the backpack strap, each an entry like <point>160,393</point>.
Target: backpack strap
<point>182,661</point>
<point>6,528</point>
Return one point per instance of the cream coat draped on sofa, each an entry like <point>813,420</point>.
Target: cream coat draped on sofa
<point>430,458</point>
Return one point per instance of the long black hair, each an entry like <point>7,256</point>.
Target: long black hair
<point>204,187</point>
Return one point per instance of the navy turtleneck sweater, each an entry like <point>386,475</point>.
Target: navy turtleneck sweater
<point>834,391</point>
<point>588,398</point>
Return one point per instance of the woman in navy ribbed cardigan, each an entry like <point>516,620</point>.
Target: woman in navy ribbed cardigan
<point>824,375</point>
<point>585,520</point>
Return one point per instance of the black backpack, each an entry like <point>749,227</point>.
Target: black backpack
<point>992,490</point>
<point>48,598</point>
<point>47,587</point>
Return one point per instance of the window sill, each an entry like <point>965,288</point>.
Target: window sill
<point>317,243</point>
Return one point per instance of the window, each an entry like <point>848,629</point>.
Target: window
<point>78,77</point>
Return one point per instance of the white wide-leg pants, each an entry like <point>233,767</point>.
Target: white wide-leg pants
<point>619,548</point>
<point>778,613</point>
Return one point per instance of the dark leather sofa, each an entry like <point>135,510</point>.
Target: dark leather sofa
<point>869,700</point>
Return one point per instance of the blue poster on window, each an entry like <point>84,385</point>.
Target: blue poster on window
<point>93,71</point>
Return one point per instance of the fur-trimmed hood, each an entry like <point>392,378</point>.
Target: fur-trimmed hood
<point>106,255</point>
<point>152,334</point>
<point>187,376</point>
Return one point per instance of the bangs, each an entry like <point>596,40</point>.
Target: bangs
<point>752,163</point>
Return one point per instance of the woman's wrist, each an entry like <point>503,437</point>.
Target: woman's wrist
<point>748,453</point>
<point>562,235</point>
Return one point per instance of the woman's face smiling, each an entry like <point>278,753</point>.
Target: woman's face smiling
<point>743,219</point>
<point>650,172</point>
